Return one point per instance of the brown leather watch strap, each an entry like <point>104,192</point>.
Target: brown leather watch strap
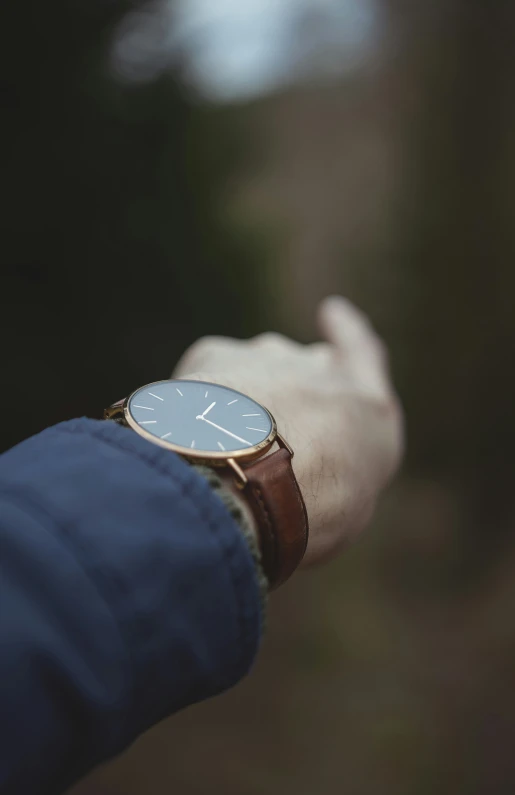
<point>274,496</point>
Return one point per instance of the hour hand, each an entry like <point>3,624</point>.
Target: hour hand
<point>208,409</point>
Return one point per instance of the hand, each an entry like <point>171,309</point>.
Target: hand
<point>334,404</point>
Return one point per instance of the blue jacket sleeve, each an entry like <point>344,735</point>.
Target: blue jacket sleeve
<point>126,593</point>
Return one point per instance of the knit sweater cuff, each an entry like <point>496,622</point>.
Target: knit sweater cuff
<point>233,506</point>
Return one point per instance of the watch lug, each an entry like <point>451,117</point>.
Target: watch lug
<point>241,478</point>
<point>115,411</point>
<point>281,441</point>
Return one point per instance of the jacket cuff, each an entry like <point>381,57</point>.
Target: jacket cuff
<point>163,553</point>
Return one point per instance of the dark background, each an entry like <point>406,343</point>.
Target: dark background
<point>140,214</point>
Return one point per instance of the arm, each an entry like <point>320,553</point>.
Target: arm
<point>126,593</point>
<point>126,590</point>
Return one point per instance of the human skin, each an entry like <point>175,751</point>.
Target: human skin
<point>335,405</point>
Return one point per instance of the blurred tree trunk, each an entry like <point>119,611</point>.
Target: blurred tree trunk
<point>457,248</point>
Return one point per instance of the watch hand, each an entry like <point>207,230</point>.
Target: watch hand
<point>209,409</point>
<point>238,438</point>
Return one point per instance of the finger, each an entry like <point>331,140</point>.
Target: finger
<point>342,323</point>
<point>360,352</point>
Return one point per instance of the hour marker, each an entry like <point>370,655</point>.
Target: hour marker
<point>156,396</point>
<point>166,435</point>
<point>147,408</point>
<point>261,430</point>
<point>251,415</point>
<point>220,445</point>
<point>179,391</point>
<point>207,393</point>
<point>193,443</point>
<point>232,401</point>
<point>149,422</point>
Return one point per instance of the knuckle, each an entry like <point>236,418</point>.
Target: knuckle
<point>205,346</point>
<point>271,339</point>
<point>210,341</point>
<point>191,354</point>
<point>194,357</point>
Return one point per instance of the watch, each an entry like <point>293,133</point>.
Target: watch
<point>217,426</point>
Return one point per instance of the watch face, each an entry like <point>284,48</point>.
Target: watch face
<point>201,417</point>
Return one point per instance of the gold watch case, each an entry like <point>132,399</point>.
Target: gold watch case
<point>120,412</point>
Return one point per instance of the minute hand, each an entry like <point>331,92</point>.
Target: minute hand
<point>219,428</point>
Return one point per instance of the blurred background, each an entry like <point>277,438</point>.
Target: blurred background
<point>171,169</point>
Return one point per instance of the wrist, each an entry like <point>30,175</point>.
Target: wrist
<point>270,505</point>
